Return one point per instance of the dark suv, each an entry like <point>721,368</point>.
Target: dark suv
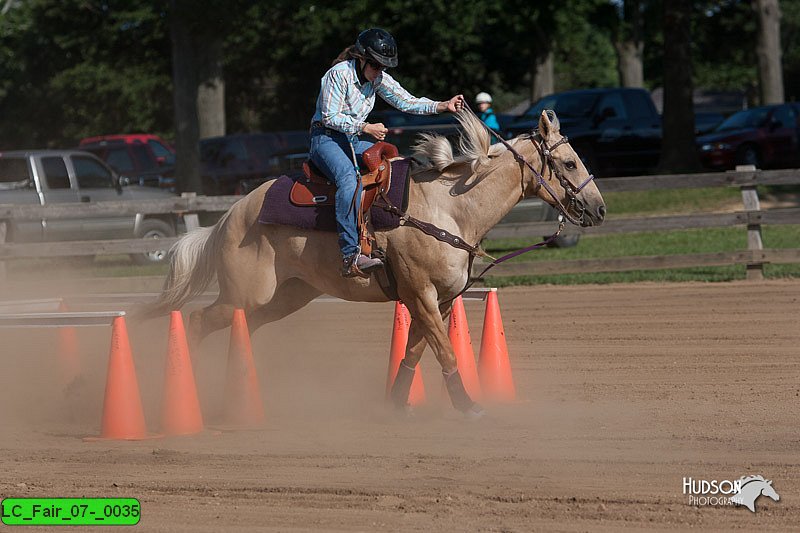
<point>614,130</point>
<point>236,164</point>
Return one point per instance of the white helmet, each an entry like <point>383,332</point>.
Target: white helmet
<point>483,98</point>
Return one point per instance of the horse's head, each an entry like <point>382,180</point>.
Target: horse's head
<point>767,490</point>
<point>563,180</point>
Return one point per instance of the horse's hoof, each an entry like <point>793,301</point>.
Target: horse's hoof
<point>476,412</point>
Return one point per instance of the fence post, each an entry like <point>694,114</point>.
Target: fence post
<point>190,219</point>
<point>3,231</point>
<point>755,270</point>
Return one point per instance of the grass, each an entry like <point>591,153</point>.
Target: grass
<point>652,243</point>
<point>672,201</point>
<point>646,203</point>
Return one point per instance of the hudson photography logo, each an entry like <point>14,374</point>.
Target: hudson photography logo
<point>743,491</point>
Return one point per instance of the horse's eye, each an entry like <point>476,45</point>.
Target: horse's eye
<point>571,165</point>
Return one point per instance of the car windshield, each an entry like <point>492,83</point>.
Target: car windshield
<point>750,118</point>
<point>565,105</point>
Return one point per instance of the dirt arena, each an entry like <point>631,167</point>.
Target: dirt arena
<point>625,389</point>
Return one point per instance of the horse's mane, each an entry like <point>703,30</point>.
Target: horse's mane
<point>748,479</point>
<point>474,144</point>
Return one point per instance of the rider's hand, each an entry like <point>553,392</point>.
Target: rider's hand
<point>377,130</point>
<point>454,105</point>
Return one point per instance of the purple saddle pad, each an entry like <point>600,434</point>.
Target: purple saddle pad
<point>277,209</point>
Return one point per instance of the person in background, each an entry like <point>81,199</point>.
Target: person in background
<point>347,95</point>
<point>486,113</point>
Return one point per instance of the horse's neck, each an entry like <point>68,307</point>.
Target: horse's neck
<point>476,203</point>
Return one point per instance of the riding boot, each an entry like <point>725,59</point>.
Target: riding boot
<point>360,265</point>
<point>402,385</point>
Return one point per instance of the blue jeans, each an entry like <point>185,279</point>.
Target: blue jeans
<point>330,151</point>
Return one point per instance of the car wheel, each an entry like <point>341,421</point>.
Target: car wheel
<point>153,228</point>
<point>562,241</point>
<point>748,155</point>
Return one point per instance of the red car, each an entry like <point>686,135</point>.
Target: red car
<point>163,151</point>
<point>767,137</point>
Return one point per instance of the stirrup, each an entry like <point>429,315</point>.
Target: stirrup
<point>359,265</point>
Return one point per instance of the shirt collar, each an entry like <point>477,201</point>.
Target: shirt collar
<point>359,76</point>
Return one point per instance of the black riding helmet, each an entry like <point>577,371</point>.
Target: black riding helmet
<point>378,45</point>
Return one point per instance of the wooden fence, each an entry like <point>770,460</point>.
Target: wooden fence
<point>752,217</point>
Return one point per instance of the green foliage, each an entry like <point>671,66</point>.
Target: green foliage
<point>73,68</point>
<point>70,68</point>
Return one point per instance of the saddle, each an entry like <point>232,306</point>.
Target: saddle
<point>315,189</point>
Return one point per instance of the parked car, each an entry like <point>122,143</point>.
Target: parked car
<point>42,177</point>
<point>767,137</point>
<point>136,161</point>
<point>705,122</point>
<point>162,150</point>
<point>235,164</point>
<point>615,130</point>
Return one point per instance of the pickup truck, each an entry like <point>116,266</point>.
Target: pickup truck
<point>616,131</point>
<point>44,177</point>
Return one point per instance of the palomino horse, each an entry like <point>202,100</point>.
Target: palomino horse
<point>271,271</point>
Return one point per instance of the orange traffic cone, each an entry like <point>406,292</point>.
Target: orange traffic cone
<point>180,410</point>
<point>243,407</point>
<point>123,418</point>
<point>462,345</point>
<point>494,367</point>
<point>69,361</point>
<point>402,322</point>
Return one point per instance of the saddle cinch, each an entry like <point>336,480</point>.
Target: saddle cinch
<point>315,189</point>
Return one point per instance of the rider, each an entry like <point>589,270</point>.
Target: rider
<point>484,103</point>
<point>346,97</point>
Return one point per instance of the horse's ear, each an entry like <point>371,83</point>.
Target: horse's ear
<point>769,482</point>
<point>548,123</point>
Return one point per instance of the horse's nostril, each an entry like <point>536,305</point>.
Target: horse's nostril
<point>601,211</point>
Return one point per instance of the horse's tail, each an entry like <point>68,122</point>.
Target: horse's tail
<point>191,270</point>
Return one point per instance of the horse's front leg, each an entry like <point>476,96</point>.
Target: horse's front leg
<point>427,321</point>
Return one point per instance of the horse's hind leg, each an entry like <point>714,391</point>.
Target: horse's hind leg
<point>207,320</point>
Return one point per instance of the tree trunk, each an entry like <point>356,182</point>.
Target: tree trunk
<point>210,88</point>
<point>629,63</point>
<point>630,46</point>
<point>543,77</point>
<point>184,81</point>
<point>770,72</point>
<point>678,152</point>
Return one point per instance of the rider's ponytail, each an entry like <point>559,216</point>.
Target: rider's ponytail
<point>347,54</point>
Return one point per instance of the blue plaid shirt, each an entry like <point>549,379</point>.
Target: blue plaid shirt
<point>344,103</point>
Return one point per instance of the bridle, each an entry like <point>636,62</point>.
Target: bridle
<point>546,153</point>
